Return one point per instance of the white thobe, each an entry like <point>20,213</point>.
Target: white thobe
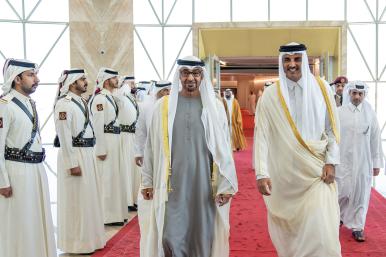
<point>361,152</point>
<point>128,111</point>
<point>146,109</point>
<point>80,217</point>
<point>26,228</point>
<point>110,171</point>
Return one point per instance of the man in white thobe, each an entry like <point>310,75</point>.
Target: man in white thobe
<point>80,217</point>
<point>361,157</point>
<point>189,174</point>
<point>296,154</point>
<point>26,228</point>
<point>128,117</point>
<point>159,89</point>
<point>105,111</point>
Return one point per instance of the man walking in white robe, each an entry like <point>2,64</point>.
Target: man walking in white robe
<point>361,157</point>
<point>105,111</point>
<point>26,228</point>
<point>189,174</point>
<point>128,117</point>
<point>80,217</point>
<point>298,132</point>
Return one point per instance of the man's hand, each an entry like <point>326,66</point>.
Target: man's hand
<point>265,186</point>
<point>328,175</point>
<point>376,171</point>
<point>139,161</point>
<point>102,157</point>
<point>223,199</point>
<point>6,192</point>
<point>147,193</point>
<point>76,171</point>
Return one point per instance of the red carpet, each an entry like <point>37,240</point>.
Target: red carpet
<point>249,235</point>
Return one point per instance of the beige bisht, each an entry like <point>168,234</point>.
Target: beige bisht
<point>303,211</point>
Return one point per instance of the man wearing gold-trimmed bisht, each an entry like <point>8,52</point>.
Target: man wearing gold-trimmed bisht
<point>296,154</point>
<point>236,120</point>
<point>189,173</point>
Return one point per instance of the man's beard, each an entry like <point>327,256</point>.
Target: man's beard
<point>29,90</point>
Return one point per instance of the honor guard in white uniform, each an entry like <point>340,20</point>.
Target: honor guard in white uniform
<point>105,111</point>
<point>80,217</point>
<point>26,228</point>
<point>128,117</point>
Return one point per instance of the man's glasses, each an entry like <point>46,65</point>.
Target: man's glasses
<point>195,73</point>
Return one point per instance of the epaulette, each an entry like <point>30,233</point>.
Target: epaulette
<point>68,97</point>
<point>6,99</point>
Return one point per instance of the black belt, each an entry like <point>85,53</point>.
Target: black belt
<point>26,156</point>
<point>83,142</point>
<point>112,129</point>
<point>128,128</point>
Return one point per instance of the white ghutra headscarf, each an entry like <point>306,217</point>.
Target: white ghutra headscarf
<point>14,67</point>
<point>354,85</point>
<point>313,104</point>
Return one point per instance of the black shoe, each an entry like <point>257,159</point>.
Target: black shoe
<point>132,208</point>
<point>115,224</point>
<point>358,236</point>
<point>91,253</point>
<point>341,223</point>
<point>125,220</point>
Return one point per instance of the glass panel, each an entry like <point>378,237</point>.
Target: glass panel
<point>382,51</point>
<point>182,12</point>
<point>186,51</point>
<point>6,11</point>
<point>152,39</point>
<point>381,108</point>
<point>382,9</point>
<point>326,10</point>
<point>212,10</point>
<point>17,5</point>
<point>371,95</point>
<point>29,5</point>
<point>57,61</point>
<point>49,10</point>
<point>356,68</point>
<point>36,47</point>
<point>250,10</point>
<point>143,70</point>
<point>373,6</point>
<point>294,10</point>
<point>362,34</point>
<point>143,14</point>
<point>45,96</point>
<point>174,39</point>
<point>11,43</point>
<point>357,11</point>
<point>157,5</point>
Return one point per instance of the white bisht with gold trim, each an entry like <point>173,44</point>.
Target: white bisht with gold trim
<point>303,211</point>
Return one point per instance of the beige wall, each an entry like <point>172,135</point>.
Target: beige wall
<point>101,35</point>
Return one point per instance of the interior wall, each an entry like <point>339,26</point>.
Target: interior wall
<point>101,35</point>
